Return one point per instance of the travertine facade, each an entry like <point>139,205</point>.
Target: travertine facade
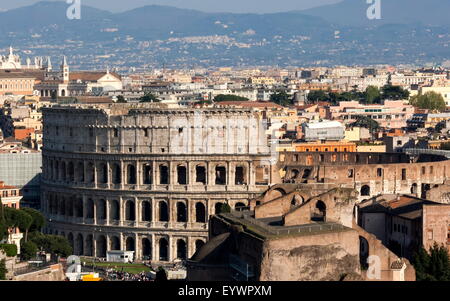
<point>147,179</point>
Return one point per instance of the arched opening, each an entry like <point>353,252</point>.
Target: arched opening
<point>365,190</point>
<point>69,207</point>
<point>239,176</point>
<point>198,244</point>
<point>101,246</point>
<point>425,188</point>
<point>414,188</point>
<point>130,245</point>
<point>181,212</point>
<point>181,249</point>
<point>79,208</point>
<point>101,209</point>
<point>115,243</point>
<point>363,252</point>
<point>163,212</point>
<point>116,174</point>
<point>218,208</point>
<point>62,206</point>
<point>71,172</point>
<point>294,174</point>
<point>221,175</point>
<point>146,211</point>
<point>297,200</point>
<point>103,173</point>
<point>200,213</point>
<point>163,250</point>
<point>181,175</point>
<point>114,214</point>
<point>90,173</point>
<point>146,249</point>
<point>79,246</point>
<point>320,212</point>
<point>163,175</point>
<point>147,174</point>
<point>63,171</point>
<point>130,212</point>
<point>80,172</point>
<point>89,250</point>
<point>70,239</point>
<point>63,93</point>
<point>200,174</point>
<point>90,208</point>
<point>239,206</point>
<point>131,174</point>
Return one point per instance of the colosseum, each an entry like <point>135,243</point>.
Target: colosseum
<point>146,179</point>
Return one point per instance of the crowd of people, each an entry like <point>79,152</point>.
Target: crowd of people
<point>113,275</point>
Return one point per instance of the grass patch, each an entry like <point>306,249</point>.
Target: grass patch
<point>132,268</point>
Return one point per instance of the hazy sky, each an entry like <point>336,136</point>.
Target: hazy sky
<point>238,6</point>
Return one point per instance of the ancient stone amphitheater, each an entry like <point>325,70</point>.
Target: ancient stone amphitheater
<point>146,179</point>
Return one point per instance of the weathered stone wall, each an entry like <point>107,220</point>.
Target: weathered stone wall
<point>52,273</point>
<point>324,257</point>
<point>436,222</point>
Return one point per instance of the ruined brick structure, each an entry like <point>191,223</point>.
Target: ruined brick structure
<point>368,173</point>
<point>147,178</point>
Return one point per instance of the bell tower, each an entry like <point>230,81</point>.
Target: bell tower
<point>65,70</point>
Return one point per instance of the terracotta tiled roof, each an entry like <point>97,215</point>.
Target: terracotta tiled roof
<point>90,76</point>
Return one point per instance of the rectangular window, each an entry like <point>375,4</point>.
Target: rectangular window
<point>404,174</point>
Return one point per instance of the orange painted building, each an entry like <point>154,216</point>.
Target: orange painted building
<point>22,134</point>
<point>340,146</point>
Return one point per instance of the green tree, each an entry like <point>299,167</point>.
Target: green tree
<point>28,250</point>
<point>3,269</point>
<point>316,96</point>
<point>230,97</point>
<point>9,249</point>
<point>3,227</point>
<point>394,93</point>
<point>281,98</point>
<point>366,122</point>
<point>433,265</point>
<point>430,101</point>
<point>18,218</point>
<point>149,97</point>
<point>53,244</point>
<point>38,219</point>
<point>372,95</point>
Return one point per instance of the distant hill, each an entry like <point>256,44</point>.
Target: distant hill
<point>353,12</point>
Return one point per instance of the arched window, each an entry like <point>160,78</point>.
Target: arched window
<point>130,213</point>
<point>221,175</point>
<point>115,243</point>
<point>116,174</point>
<point>131,174</point>
<point>320,212</point>
<point>101,246</point>
<point>182,175</point>
<point>163,250</point>
<point>163,175</point>
<point>146,249</point>
<point>146,211</point>
<point>103,173</point>
<point>90,208</point>
<point>71,172</point>
<point>79,245</point>
<point>365,190</point>
<point>130,245</point>
<point>115,210</point>
<point>198,244</point>
<point>239,176</point>
<point>147,174</point>
<point>163,212</point>
<point>181,249</point>
<point>181,213</point>
<point>200,213</point>
<point>200,174</point>
<point>101,209</point>
<point>239,206</point>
